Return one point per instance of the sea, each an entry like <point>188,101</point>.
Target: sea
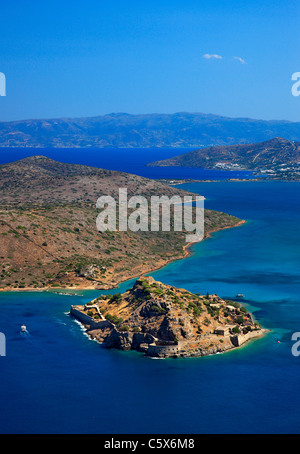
<point>54,379</point>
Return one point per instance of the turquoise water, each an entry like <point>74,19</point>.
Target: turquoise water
<point>55,380</point>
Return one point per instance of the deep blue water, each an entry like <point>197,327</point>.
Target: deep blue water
<point>58,381</point>
<point>131,160</point>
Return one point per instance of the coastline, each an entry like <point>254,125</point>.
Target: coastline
<point>254,335</point>
<point>186,253</point>
<point>158,339</point>
<point>208,234</point>
<point>232,180</point>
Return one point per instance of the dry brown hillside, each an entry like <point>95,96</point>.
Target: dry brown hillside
<point>48,235</point>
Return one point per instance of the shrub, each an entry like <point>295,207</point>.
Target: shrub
<point>236,330</point>
<point>114,319</point>
<point>116,298</point>
<point>124,328</point>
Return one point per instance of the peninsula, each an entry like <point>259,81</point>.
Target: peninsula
<point>164,321</point>
<point>275,158</point>
<point>48,228</point>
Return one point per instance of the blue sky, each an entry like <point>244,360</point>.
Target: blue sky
<point>85,58</point>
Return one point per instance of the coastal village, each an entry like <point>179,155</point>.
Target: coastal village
<point>162,321</point>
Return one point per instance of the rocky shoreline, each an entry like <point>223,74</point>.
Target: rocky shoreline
<point>129,275</point>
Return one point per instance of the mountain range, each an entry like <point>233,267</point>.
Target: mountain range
<point>195,130</point>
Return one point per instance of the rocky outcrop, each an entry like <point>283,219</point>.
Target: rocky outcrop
<point>89,271</point>
<point>120,341</point>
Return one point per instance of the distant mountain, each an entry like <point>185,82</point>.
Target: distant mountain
<point>270,154</point>
<point>143,131</point>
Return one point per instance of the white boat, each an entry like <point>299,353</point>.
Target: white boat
<point>23,329</point>
<point>240,295</point>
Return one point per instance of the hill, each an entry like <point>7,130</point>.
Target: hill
<point>48,227</point>
<point>270,154</point>
<point>164,321</point>
<point>43,181</point>
<point>142,131</point>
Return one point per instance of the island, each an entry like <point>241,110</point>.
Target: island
<point>163,321</point>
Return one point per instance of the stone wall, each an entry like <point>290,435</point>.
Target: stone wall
<point>163,351</point>
<point>240,339</point>
<point>87,320</point>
